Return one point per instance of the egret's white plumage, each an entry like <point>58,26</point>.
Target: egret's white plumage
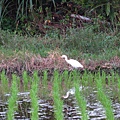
<point>72,62</point>
<point>72,92</point>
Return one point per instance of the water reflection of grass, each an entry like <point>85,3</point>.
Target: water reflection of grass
<point>60,83</point>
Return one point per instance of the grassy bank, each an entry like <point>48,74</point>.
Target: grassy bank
<point>82,43</point>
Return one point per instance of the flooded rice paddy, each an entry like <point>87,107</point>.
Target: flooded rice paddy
<point>95,109</point>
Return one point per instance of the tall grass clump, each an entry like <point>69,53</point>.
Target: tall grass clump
<point>4,82</point>
<point>13,98</point>
<point>58,103</point>
<point>80,100</point>
<point>25,80</point>
<point>34,97</point>
<point>106,102</point>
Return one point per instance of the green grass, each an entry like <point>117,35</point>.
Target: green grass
<point>79,43</point>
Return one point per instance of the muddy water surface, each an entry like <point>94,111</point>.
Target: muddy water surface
<point>95,109</point>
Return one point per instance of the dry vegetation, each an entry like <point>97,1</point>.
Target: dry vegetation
<point>52,62</point>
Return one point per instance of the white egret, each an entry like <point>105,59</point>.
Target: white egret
<point>72,92</point>
<point>72,62</point>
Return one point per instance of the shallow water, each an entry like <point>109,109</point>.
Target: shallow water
<point>95,109</point>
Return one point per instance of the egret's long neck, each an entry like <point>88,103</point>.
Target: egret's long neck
<point>66,58</point>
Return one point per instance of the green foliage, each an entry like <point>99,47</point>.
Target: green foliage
<point>11,41</point>
<point>25,80</point>
<point>18,14</point>
<point>83,43</point>
<point>81,101</point>
<point>24,16</point>
<point>58,103</point>
<point>66,78</point>
<point>88,41</point>
<point>45,78</point>
<point>106,102</point>
<point>34,97</point>
<point>4,82</point>
<point>13,98</point>
<point>108,10</point>
<point>118,78</point>
<point>45,83</point>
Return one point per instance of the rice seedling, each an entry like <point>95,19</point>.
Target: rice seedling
<point>44,82</point>
<point>66,79</point>
<point>69,80</point>
<point>103,77</point>
<point>118,85</point>
<point>34,97</point>
<point>25,80</point>
<point>4,82</point>
<point>106,102</point>
<point>36,78</point>
<point>90,79</point>
<point>75,75</point>
<point>85,79</point>
<point>58,103</point>
<point>100,75</point>
<point>113,77</point>
<point>80,100</point>
<point>109,79</point>
<point>45,78</point>
<point>19,83</point>
<point>13,98</point>
<point>118,79</point>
